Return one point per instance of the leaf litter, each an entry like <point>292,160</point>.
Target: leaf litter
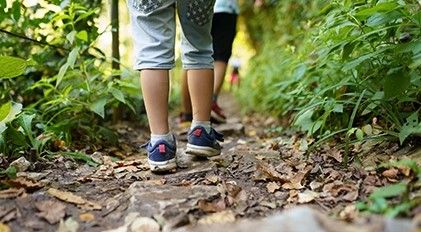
<point>260,174</point>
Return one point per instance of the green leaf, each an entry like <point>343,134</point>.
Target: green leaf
<point>4,110</point>
<point>13,110</point>
<point>396,84</point>
<point>11,172</point>
<point>81,157</point>
<point>411,127</point>
<point>61,73</point>
<point>82,35</point>
<point>118,95</point>
<point>12,66</point>
<point>359,134</point>
<point>392,190</point>
<point>16,10</point>
<point>71,37</point>
<point>72,57</point>
<point>25,122</point>
<point>381,7</point>
<point>338,108</point>
<point>98,106</point>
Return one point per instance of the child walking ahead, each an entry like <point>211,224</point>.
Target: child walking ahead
<point>154,36</point>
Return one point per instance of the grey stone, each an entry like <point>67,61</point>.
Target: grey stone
<point>302,219</point>
<point>167,201</point>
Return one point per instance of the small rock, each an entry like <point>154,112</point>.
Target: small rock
<point>21,164</point>
<point>144,224</point>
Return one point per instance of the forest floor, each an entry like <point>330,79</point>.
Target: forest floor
<point>261,172</point>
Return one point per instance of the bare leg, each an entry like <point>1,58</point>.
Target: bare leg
<point>200,84</point>
<point>185,95</point>
<point>155,88</point>
<point>220,69</point>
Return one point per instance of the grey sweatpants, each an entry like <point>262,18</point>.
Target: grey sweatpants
<point>153,23</point>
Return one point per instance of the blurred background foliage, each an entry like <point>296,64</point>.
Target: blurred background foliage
<point>347,69</point>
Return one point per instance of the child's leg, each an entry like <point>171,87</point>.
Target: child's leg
<point>155,88</point>
<point>154,36</point>
<point>200,84</point>
<point>195,19</point>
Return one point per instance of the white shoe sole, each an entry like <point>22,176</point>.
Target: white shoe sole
<point>162,166</point>
<point>202,151</point>
<point>217,118</point>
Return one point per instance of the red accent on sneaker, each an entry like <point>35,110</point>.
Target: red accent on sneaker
<point>197,132</point>
<point>161,148</point>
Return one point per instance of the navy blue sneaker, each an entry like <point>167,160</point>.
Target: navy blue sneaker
<point>202,143</point>
<point>161,156</point>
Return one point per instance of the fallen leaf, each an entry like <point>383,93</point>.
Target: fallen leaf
<point>226,216</point>
<point>335,154</point>
<point>211,207</point>
<point>391,173</point>
<point>307,196</point>
<point>66,196</point>
<point>72,198</point>
<point>349,213</point>
<point>339,190</point>
<point>11,193</point>
<point>295,182</point>
<point>52,211</point>
<point>232,188</point>
<point>214,179</point>
<point>26,183</point>
<point>4,228</point>
<point>129,168</point>
<point>272,187</point>
<point>86,217</point>
<point>268,171</point>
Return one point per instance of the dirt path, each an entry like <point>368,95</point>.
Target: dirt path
<point>260,173</point>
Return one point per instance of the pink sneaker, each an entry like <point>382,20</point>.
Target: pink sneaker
<point>217,115</point>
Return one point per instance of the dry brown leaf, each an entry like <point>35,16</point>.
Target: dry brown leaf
<point>272,187</point>
<point>335,154</point>
<point>232,188</point>
<point>349,213</point>
<point>11,193</point>
<point>52,211</point>
<point>72,198</point>
<point>26,183</point>
<point>86,217</point>
<point>66,196</point>
<point>307,196</point>
<point>391,173</point>
<point>129,168</point>
<point>339,190</point>
<point>211,207</point>
<point>226,216</point>
<point>295,182</point>
<point>214,179</point>
<point>269,172</point>
<point>293,195</point>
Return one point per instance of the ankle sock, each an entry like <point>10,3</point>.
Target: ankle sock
<point>204,124</point>
<point>169,138</point>
<point>214,98</point>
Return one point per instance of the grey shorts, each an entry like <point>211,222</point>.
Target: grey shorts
<point>153,23</point>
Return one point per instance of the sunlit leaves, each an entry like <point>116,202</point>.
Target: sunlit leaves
<point>12,66</point>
